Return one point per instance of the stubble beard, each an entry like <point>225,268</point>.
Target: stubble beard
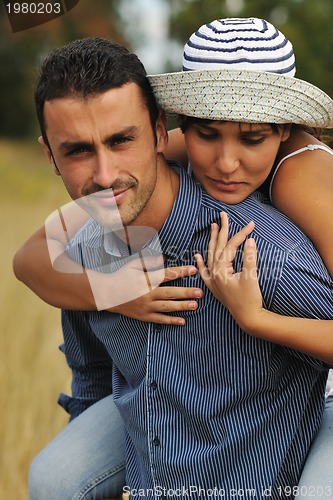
<point>113,218</point>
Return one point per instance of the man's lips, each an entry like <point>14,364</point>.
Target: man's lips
<point>108,196</point>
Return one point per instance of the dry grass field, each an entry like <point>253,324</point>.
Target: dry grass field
<point>32,369</point>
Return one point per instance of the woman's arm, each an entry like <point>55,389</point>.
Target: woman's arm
<point>176,148</point>
<point>303,190</point>
<point>42,265</point>
<point>63,283</point>
<point>240,293</point>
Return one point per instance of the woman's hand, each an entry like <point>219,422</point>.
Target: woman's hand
<point>239,292</point>
<point>153,306</point>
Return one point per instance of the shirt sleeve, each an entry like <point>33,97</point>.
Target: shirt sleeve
<point>89,361</point>
<point>304,289</point>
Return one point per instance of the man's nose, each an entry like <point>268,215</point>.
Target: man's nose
<point>105,171</point>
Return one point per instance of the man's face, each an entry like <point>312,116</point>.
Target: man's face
<point>105,151</point>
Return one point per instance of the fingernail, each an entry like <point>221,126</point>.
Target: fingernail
<point>193,305</point>
<point>197,293</point>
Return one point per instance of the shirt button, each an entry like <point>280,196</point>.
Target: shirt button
<point>153,385</point>
<point>157,329</point>
<point>156,441</point>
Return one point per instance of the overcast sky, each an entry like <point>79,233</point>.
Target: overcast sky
<point>147,30</point>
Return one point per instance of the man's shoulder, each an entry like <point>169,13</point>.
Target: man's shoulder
<point>271,226</point>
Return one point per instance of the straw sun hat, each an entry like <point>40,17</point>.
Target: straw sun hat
<point>242,70</point>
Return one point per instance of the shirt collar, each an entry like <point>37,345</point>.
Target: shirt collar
<point>113,245</point>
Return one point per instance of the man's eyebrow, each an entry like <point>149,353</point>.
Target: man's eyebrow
<point>120,133</point>
<point>68,146</point>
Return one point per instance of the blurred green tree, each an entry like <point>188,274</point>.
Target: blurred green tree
<point>21,52</point>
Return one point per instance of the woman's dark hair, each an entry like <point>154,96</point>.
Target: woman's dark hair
<point>186,121</point>
<point>88,67</point>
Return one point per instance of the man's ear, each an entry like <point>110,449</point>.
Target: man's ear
<point>49,155</point>
<point>161,132</point>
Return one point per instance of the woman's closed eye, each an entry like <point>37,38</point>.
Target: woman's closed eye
<point>253,141</point>
<point>207,136</point>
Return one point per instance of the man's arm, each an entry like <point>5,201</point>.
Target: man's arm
<point>89,362</point>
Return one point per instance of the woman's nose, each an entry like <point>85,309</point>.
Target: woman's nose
<point>227,160</point>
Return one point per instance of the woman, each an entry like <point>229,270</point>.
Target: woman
<point>233,147</point>
<point>293,177</point>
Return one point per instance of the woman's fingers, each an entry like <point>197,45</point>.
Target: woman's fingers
<point>203,270</point>
<point>164,319</point>
<point>226,249</point>
<point>172,273</point>
<point>214,234</point>
<point>176,293</point>
<point>250,259</point>
<point>173,299</point>
<point>223,235</point>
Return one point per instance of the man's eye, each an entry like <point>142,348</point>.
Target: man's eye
<point>121,140</point>
<point>118,141</point>
<point>77,151</point>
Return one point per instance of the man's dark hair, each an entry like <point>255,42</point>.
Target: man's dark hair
<point>88,67</point>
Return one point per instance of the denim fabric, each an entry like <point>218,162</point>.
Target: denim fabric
<point>85,461</point>
<point>317,476</point>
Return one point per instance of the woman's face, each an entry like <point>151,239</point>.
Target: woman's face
<point>231,159</point>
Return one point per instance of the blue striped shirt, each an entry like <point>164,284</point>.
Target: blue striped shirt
<point>205,405</point>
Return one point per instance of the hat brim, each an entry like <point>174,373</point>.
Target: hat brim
<point>243,96</point>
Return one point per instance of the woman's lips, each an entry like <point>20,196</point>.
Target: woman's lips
<point>227,186</point>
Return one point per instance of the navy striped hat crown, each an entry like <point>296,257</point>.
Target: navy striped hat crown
<point>239,43</point>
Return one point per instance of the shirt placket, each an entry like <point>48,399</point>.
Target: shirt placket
<point>152,394</point>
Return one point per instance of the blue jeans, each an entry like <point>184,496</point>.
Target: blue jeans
<point>85,461</point>
<point>317,476</point>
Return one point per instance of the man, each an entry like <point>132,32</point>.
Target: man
<point>211,411</point>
